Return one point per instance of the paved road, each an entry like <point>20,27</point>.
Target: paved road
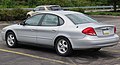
<point>31,55</point>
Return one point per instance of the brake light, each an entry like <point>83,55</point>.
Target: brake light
<point>89,31</point>
<point>114,29</point>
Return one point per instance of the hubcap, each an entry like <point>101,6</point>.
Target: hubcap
<point>10,40</point>
<point>62,46</point>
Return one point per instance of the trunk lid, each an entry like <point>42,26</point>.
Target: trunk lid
<point>100,28</point>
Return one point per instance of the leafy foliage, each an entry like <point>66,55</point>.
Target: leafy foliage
<point>15,14</point>
<point>34,3</point>
<point>108,2</point>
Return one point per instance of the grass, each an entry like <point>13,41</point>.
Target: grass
<point>104,13</point>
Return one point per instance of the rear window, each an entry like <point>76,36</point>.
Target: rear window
<point>80,18</point>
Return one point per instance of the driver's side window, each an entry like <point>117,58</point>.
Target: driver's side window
<point>33,21</point>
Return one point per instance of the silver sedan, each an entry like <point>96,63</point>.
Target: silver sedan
<point>64,30</point>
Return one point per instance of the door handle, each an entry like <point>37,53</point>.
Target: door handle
<point>32,30</point>
<point>53,30</point>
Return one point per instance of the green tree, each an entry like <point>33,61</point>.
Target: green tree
<point>8,3</point>
<point>32,3</point>
<point>114,3</point>
<point>108,2</point>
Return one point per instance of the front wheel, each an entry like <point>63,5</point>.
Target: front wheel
<point>11,40</point>
<point>63,46</point>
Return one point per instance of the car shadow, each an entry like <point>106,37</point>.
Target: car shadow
<point>37,48</point>
<point>76,54</point>
<point>91,54</point>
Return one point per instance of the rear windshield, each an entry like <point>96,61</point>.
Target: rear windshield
<point>80,18</point>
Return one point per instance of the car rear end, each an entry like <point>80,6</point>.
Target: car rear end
<point>96,36</point>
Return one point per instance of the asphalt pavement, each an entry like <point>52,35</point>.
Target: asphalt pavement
<point>31,55</point>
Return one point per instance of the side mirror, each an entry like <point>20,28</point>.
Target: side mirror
<point>22,23</point>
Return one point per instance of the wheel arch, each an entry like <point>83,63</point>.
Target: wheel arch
<point>60,36</point>
<point>30,13</point>
<point>9,31</point>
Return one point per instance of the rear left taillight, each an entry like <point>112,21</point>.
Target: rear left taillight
<point>89,31</point>
<point>114,29</point>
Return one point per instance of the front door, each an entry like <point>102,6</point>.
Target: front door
<point>27,32</point>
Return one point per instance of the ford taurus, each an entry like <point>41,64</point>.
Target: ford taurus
<point>64,30</point>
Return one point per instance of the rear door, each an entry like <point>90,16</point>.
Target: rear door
<point>48,29</point>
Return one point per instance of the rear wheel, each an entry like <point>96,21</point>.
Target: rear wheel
<point>63,46</point>
<point>11,40</point>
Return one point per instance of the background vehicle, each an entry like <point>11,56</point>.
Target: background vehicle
<point>44,8</point>
<point>64,30</point>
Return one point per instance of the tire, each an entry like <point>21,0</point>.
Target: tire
<point>63,47</point>
<point>11,40</point>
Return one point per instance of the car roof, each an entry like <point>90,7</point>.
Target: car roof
<point>59,12</point>
<point>47,5</point>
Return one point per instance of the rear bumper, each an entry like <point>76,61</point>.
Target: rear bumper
<point>94,42</point>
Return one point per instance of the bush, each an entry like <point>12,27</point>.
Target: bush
<point>77,9</point>
<point>14,14</point>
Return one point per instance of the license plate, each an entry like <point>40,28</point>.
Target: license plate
<point>106,32</point>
